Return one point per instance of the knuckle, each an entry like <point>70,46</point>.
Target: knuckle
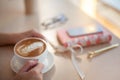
<point>33,72</point>
<point>28,62</point>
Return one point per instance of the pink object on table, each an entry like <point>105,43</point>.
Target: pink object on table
<point>84,41</point>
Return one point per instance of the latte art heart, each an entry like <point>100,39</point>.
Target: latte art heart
<point>25,50</point>
<point>30,48</point>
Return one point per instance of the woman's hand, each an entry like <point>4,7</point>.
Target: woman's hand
<point>12,38</point>
<point>30,71</point>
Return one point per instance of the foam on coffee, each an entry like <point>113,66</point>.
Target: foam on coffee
<point>30,47</point>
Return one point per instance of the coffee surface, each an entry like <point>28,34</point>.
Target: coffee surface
<point>30,48</point>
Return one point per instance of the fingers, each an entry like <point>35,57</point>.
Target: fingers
<point>32,73</point>
<point>28,65</point>
<point>38,68</point>
<point>34,33</point>
<point>37,34</point>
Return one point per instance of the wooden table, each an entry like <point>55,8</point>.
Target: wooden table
<point>103,67</point>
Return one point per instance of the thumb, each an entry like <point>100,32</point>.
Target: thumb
<point>38,67</point>
<point>28,65</point>
<point>35,33</point>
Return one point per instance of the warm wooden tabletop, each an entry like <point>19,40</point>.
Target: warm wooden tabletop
<point>103,67</point>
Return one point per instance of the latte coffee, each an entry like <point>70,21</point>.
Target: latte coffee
<point>30,47</point>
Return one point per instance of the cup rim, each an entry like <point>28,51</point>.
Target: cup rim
<point>27,39</point>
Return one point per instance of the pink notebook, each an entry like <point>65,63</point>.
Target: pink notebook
<point>87,40</point>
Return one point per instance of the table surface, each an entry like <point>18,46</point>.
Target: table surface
<point>103,67</point>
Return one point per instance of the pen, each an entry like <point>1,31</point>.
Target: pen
<point>99,51</point>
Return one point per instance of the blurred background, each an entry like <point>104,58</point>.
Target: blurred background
<point>27,14</point>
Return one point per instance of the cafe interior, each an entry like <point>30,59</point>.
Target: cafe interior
<point>83,36</point>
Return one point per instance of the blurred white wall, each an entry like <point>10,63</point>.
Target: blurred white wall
<point>11,6</point>
<point>76,2</point>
